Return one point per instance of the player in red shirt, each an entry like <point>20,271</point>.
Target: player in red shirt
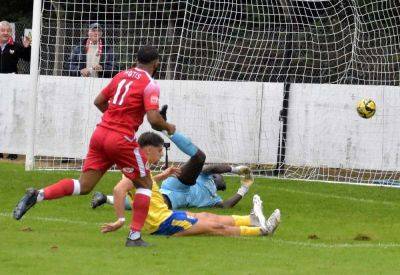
<point>130,95</point>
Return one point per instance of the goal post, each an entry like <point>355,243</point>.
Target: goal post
<point>227,70</point>
<point>34,75</point>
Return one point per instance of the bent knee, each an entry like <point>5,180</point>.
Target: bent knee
<point>85,187</point>
<point>85,190</point>
<point>200,156</point>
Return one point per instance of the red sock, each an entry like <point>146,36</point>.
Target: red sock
<point>64,187</point>
<point>140,208</point>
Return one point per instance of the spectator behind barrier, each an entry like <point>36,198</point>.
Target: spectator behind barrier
<point>10,52</point>
<point>92,58</point>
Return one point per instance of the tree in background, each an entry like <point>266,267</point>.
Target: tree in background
<point>17,11</point>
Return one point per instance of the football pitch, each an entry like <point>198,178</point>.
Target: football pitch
<point>325,229</point>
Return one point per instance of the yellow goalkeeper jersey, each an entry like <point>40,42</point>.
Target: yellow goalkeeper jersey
<point>158,210</point>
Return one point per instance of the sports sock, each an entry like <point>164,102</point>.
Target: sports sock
<point>250,231</point>
<point>65,187</point>
<point>128,203</point>
<point>110,200</point>
<point>140,208</point>
<point>241,220</point>
<point>184,144</point>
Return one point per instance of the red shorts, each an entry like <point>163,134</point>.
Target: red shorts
<point>108,147</point>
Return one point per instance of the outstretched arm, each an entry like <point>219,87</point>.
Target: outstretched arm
<point>217,169</point>
<point>158,123</point>
<point>120,191</point>
<point>246,182</point>
<point>170,171</point>
<point>229,203</point>
<point>224,168</point>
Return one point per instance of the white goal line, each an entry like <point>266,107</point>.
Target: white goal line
<point>274,240</point>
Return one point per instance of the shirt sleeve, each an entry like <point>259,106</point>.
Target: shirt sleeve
<point>109,90</point>
<point>216,200</point>
<point>151,96</point>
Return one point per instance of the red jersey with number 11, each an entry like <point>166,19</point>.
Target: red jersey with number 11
<point>130,95</point>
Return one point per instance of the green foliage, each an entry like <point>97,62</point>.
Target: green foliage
<point>17,11</point>
<point>325,229</point>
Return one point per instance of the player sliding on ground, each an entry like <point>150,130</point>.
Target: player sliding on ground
<point>194,186</point>
<point>163,221</point>
<point>130,95</point>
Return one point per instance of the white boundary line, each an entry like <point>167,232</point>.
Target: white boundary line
<point>50,219</point>
<point>340,245</point>
<point>273,240</point>
<point>331,182</point>
<point>335,196</point>
<point>334,182</point>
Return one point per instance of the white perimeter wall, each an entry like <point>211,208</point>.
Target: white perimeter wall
<point>324,127</point>
<point>231,122</point>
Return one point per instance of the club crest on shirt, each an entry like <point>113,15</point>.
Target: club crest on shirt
<point>128,170</point>
<point>154,99</point>
<point>12,51</point>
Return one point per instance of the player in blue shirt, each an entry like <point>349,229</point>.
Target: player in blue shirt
<point>195,185</point>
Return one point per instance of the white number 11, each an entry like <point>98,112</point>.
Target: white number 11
<point>118,98</point>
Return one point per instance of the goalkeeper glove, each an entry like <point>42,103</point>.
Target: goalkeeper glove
<point>246,182</point>
<point>241,170</point>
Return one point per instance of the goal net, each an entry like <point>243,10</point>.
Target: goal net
<point>272,84</point>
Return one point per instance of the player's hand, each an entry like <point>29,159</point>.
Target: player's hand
<point>110,227</point>
<point>171,129</point>
<point>97,67</point>
<point>172,171</point>
<point>85,72</point>
<point>26,41</point>
<point>243,170</point>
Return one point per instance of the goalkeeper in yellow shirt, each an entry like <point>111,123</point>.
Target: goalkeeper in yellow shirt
<point>163,221</point>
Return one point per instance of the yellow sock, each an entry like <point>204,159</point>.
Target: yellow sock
<point>241,220</point>
<point>250,231</point>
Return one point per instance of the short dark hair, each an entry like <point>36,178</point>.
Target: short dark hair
<point>150,139</point>
<point>147,54</point>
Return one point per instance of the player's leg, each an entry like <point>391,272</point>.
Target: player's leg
<point>62,188</point>
<point>213,224</point>
<point>96,164</point>
<point>193,167</point>
<point>231,220</point>
<point>140,209</point>
<point>131,160</point>
<point>206,227</point>
<point>99,199</point>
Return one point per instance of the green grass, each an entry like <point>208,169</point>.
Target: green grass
<point>63,236</point>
